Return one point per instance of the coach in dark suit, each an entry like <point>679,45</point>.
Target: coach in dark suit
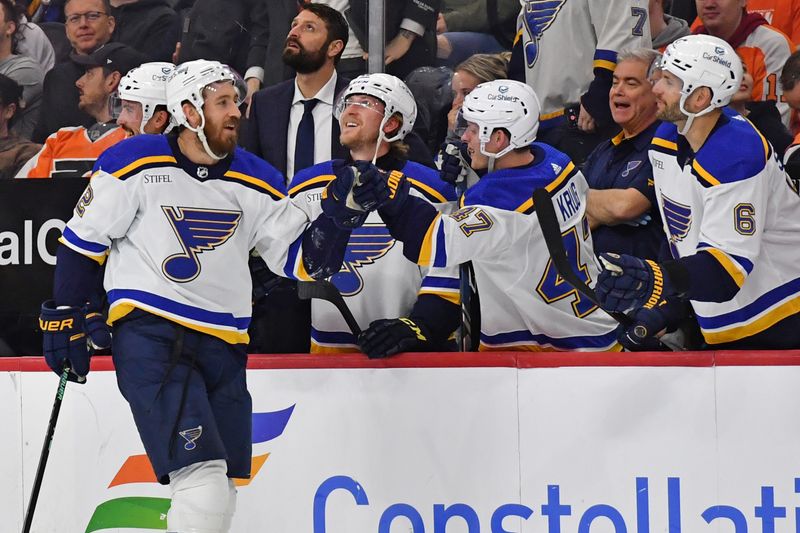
<point>291,124</point>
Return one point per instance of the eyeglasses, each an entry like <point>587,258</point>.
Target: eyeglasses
<point>91,16</point>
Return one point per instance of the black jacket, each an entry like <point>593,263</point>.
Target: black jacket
<point>149,26</point>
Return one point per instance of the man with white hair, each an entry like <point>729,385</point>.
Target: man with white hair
<point>731,215</point>
<point>176,217</point>
<point>141,102</point>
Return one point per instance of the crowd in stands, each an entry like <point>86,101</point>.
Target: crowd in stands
<point>64,100</point>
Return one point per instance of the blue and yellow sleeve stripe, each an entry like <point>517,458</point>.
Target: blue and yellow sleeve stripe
<point>605,59</point>
<point>314,183</point>
<point>443,287</point>
<point>737,267</point>
<point>92,250</point>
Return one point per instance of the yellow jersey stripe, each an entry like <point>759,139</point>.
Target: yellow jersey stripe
<point>617,347</point>
<point>325,178</point>
<point>301,270</point>
<point>604,63</point>
<point>430,190</point>
<point>768,320</point>
<point>665,143</point>
<point>100,258</point>
<point>704,173</point>
<point>452,297</point>
<point>320,349</point>
<point>517,37</point>
<point>231,337</point>
<point>554,114</point>
<point>550,187</point>
<point>254,181</point>
<point>144,161</point>
<point>728,264</point>
<point>426,249</point>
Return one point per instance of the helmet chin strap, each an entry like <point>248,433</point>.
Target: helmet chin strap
<point>494,156</point>
<point>202,136</point>
<point>691,116</point>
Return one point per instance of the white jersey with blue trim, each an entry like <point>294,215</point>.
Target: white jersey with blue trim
<point>563,41</point>
<point>376,280</point>
<point>177,235</point>
<point>524,303</point>
<point>733,200</point>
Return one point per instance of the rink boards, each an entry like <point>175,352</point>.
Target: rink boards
<point>444,443</point>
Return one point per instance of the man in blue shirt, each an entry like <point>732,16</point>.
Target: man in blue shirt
<point>622,209</point>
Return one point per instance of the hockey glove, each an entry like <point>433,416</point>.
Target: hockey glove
<point>455,168</point>
<point>627,283</point>
<point>387,337</point>
<point>335,205</point>
<point>69,338</point>
<point>647,325</point>
<point>379,189</point>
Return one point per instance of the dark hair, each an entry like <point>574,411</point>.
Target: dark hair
<point>106,6</point>
<point>335,24</point>
<point>791,71</point>
<point>12,14</point>
<point>10,91</point>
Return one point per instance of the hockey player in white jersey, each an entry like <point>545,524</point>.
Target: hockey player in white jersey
<point>730,213</point>
<point>174,217</point>
<point>567,51</point>
<point>141,101</point>
<point>400,306</point>
<point>524,305</point>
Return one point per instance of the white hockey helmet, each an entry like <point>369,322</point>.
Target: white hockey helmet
<point>507,104</point>
<point>394,94</point>
<point>186,85</point>
<point>146,84</point>
<point>704,61</point>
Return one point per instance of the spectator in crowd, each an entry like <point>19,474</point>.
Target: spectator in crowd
<point>249,34</point>
<point>71,151</point>
<point>410,33</point>
<point>21,69</point>
<point>14,151</point>
<point>524,304</point>
<point>665,28</point>
<point>763,114</point>
<point>783,15</point>
<point>149,26</point>
<point>732,218</point>
<point>621,202</point>
<point>762,48</point>
<point>89,26</point>
<point>467,27</point>
<point>551,54</point>
<point>33,42</point>
<point>378,283</point>
<point>473,71</point>
<point>142,95</point>
<point>790,76</point>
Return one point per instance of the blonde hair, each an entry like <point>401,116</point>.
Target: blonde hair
<point>486,67</point>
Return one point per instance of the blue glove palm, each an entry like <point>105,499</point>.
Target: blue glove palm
<point>387,337</point>
<point>627,283</point>
<point>69,338</point>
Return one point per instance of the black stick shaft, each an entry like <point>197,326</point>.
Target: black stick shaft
<point>48,440</point>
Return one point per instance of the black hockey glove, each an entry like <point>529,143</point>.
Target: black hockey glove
<point>389,336</point>
<point>379,189</point>
<point>455,168</point>
<point>648,323</point>
<point>628,283</point>
<point>338,201</point>
<point>70,336</point>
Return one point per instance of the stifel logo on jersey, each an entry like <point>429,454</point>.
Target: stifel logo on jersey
<point>198,231</point>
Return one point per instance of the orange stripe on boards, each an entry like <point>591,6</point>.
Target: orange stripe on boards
<point>136,469</point>
<point>257,463</point>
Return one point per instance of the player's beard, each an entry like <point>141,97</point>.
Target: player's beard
<point>302,60</point>
<point>671,113</point>
<point>221,140</point>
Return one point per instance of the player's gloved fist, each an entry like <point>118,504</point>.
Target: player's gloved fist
<point>389,336</point>
<point>70,336</point>
<point>335,205</point>
<point>455,163</point>
<point>372,190</point>
<point>628,283</point>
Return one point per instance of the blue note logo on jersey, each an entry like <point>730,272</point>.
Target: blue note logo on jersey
<point>679,220</point>
<point>198,231</point>
<point>539,14</point>
<point>367,244</point>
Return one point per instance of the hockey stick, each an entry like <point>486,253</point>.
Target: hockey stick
<point>48,440</point>
<point>551,230</point>
<point>325,290</point>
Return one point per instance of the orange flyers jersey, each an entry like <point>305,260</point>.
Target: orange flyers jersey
<point>783,15</point>
<point>69,153</point>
